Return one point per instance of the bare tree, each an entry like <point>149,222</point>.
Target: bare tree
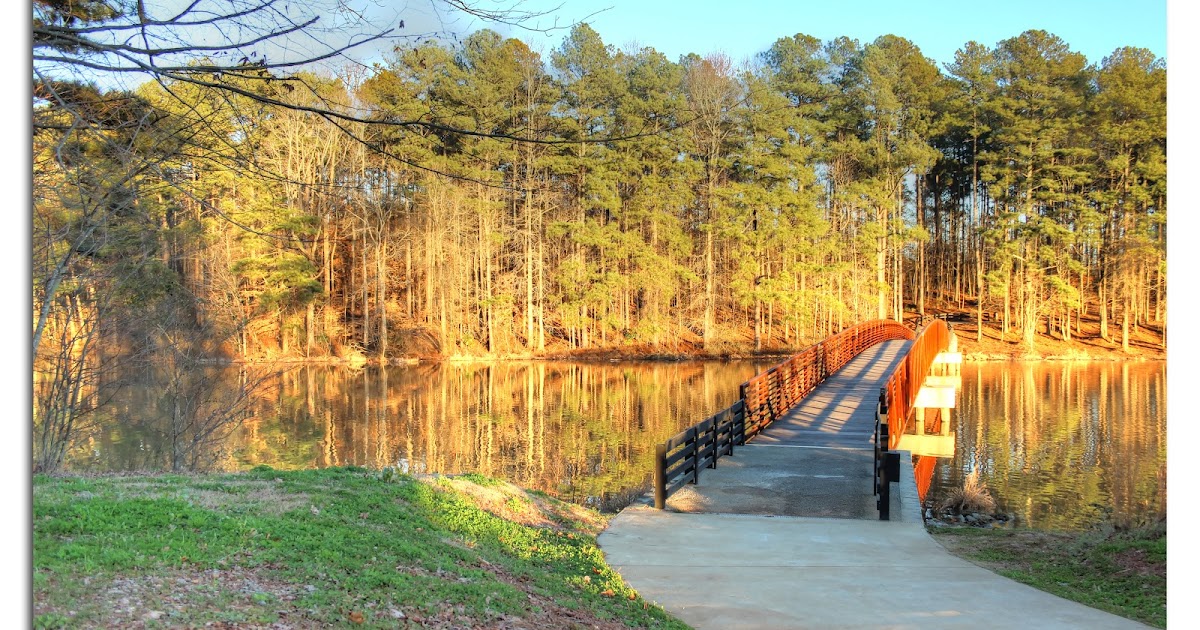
<point>92,261</point>
<point>199,406</point>
<point>100,151</point>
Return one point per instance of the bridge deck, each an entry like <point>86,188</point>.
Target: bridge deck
<point>732,568</point>
<point>815,461</point>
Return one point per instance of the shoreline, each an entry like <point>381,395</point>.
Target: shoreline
<point>1146,344</point>
<point>617,357</point>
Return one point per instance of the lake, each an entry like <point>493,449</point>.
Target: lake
<point>1061,444</point>
<point>582,431</point>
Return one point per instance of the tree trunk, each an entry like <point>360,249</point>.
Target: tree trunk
<point>1007,302</point>
<point>541,289</point>
<point>880,278</point>
<point>1029,310</point>
<point>1125,323</point>
<point>1103,310</point>
<point>366,304</point>
<point>710,280</point>
<point>530,344</point>
<point>281,321</point>
<point>980,289</point>
<point>980,292</point>
<point>757,325</point>
<point>381,296</point>
<point>920,271</point>
<point>309,326</point>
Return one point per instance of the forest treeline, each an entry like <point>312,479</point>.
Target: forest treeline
<point>486,199</point>
<point>600,197</point>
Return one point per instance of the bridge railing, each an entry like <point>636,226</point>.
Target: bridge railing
<point>895,406</point>
<point>770,395</point>
<point>764,399</point>
<point>902,386</point>
<point>678,460</point>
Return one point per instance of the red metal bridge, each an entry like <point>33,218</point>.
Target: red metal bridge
<point>859,395</point>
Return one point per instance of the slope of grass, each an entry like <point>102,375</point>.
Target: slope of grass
<point>334,547</point>
<point>1122,571</point>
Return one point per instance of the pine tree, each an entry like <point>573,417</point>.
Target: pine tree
<point>1038,115</point>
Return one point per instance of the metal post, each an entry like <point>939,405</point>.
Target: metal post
<point>660,476</point>
<point>732,436</point>
<point>745,410</point>
<point>881,459</point>
<point>739,435</point>
<point>716,431</point>
<point>881,432</point>
<point>695,454</point>
<point>890,473</point>
<point>875,475</point>
<point>885,495</point>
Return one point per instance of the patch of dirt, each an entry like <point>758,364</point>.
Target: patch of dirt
<point>174,597</point>
<point>1018,545</point>
<point>263,495</point>
<point>543,612</point>
<point>1134,561</point>
<point>190,598</point>
<point>550,614</point>
<point>1086,344</point>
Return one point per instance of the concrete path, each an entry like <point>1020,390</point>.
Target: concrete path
<point>785,534</point>
<point>736,571</point>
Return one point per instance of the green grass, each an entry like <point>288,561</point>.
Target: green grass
<point>332,547</point>
<point>1122,571</point>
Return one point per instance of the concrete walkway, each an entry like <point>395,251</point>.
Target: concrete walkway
<point>746,571</point>
<point>785,534</point>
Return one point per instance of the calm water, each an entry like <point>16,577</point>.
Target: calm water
<point>1060,444</point>
<point>1063,444</point>
<point>580,431</point>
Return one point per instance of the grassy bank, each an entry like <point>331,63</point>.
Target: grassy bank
<point>334,547</point>
<point>1120,571</point>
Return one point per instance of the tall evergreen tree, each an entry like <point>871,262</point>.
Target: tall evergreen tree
<point>968,131</point>
<point>1042,87</point>
<point>1129,120</point>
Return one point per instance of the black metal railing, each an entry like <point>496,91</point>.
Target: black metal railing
<point>678,460</point>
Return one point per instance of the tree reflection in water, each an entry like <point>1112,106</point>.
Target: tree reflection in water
<point>1063,445</point>
<point>580,431</point>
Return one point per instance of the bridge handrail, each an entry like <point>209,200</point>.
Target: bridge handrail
<point>770,395</point>
<point>900,390</point>
<point>764,398</point>
<point>679,460</point>
<point>895,405</point>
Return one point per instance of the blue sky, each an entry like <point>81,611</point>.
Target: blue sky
<point>938,27</point>
<point>678,27</point>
